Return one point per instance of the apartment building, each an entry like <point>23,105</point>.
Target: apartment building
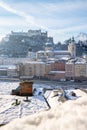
<point>70,70</point>
<point>9,71</point>
<point>76,70</point>
<point>81,70</point>
<point>35,68</point>
<point>57,70</point>
<point>58,65</point>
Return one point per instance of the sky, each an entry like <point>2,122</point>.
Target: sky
<point>62,19</point>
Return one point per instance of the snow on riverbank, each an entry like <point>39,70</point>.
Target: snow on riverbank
<point>6,87</point>
<point>71,115</point>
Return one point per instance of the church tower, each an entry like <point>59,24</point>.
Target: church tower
<point>72,48</point>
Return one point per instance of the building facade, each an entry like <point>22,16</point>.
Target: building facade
<point>9,71</point>
<point>58,65</point>
<point>80,70</point>
<point>70,70</point>
<point>57,70</point>
<point>35,69</point>
<point>52,54</point>
<point>76,70</point>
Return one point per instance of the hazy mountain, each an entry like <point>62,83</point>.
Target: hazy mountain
<point>81,37</point>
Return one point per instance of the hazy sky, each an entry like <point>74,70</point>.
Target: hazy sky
<point>61,18</point>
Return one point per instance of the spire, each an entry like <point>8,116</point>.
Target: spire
<point>73,39</point>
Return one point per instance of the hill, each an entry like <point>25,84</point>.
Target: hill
<point>17,44</point>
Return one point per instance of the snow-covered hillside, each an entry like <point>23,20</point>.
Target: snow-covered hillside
<point>81,37</point>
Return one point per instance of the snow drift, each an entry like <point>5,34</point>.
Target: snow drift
<point>71,115</point>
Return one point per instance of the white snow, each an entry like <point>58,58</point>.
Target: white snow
<point>8,111</point>
<point>69,96</point>
<point>70,115</point>
<point>54,72</point>
<point>8,67</point>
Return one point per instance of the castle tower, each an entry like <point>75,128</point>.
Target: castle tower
<point>72,48</point>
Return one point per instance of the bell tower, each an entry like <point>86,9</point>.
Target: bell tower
<point>72,48</point>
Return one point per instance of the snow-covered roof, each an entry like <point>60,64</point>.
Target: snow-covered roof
<point>56,72</point>
<point>8,67</point>
<point>80,62</point>
<point>65,57</point>
<point>48,44</point>
<point>61,52</point>
<point>3,69</point>
<point>69,62</point>
<point>49,51</point>
<point>40,52</point>
<point>34,62</point>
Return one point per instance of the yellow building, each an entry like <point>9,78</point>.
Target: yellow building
<point>48,68</point>
<point>33,68</point>
<point>27,69</point>
<point>39,69</point>
<point>81,70</point>
<point>70,70</point>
